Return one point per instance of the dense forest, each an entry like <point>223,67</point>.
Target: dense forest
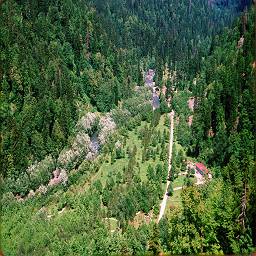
<point>84,157</point>
<point>59,58</point>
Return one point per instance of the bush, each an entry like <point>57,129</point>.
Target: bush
<point>8,201</point>
<point>41,173</point>
<point>120,116</point>
<point>22,184</point>
<point>170,190</point>
<point>146,112</point>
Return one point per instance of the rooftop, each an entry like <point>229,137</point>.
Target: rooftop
<point>202,167</point>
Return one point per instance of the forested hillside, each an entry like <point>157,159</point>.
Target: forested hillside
<point>223,136</point>
<point>85,159</point>
<point>60,59</point>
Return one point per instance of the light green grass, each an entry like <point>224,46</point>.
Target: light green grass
<point>175,200</point>
<point>111,223</point>
<point>132,140</point>
<point>107,168</point>
<point>178,182</point>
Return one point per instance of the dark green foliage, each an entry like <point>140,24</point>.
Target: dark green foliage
<point>224,126</point>
<point>58,54</point>
<point>60,59</point>
<point>52,58</point>
<point>120,153</point>
<point>163,105</point>
<point>170,190</point>
<point>98,186</point>
<point>165,171</point>
<point>150,173</point>
<point>159,172</point>
<point>156,118</point>
<point>154,242</point>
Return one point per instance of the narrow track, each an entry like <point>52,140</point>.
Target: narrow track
<point>165,197</point>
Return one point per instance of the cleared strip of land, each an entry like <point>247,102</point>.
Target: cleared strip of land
<point>165,197</point>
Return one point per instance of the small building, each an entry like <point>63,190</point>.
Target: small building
<point>200,167</point>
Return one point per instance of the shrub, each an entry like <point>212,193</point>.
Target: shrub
<point>40,173</point>
<point>170,190</point>
<point>120,116</point>
<point>36,175</point>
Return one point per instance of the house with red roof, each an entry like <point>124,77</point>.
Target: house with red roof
<point>201,168</point>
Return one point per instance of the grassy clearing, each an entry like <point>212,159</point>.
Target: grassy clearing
<point>178,146</point>
<point>132,140</point>
<point>54,201</point>
<point>108,169</point>
<point>175,200</point>
<point>179,181</point>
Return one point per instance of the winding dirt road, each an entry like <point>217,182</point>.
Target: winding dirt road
<point>165,197</point>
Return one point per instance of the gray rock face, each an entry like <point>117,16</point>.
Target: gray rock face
<point>155,101</point>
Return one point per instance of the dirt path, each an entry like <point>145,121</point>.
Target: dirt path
<point>165,197</point>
